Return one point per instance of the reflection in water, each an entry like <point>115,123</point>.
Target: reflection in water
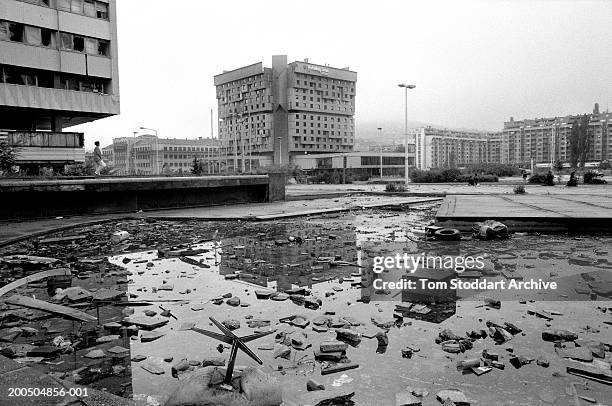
<point>322,262</point>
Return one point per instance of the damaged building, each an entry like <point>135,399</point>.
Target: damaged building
<point>268,116</point>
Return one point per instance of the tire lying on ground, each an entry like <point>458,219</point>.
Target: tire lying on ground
<point>448,234</point>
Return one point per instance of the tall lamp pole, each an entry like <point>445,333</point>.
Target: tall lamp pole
<point>406,87</point>
<point>381,151</point>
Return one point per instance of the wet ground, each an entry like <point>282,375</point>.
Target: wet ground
<point>186,267</point>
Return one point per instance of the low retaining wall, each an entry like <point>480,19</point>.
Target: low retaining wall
<point>50,198</point>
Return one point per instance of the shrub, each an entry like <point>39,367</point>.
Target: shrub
<point>494,169</point>
<point>333,176</point>
<point>435,175</point>
<point>395,187</point>
<point>8,157</point>
<point>447,176</point>
<point>593,178</point>
<point>605,165</point>
<point>538,178</point>
<point>519,190</point>
<point>481,178</point>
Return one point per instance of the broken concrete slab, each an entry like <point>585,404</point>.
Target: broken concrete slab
<point>312,385</point>
<point>350,336</point>
<point>145,322</point>
<point>406,399</point>
<point>328,356</point>
<point>213,362</point>
<point>579,353</point>
<point>106,294</point>
<point>558,335</point>
<point>95,354</point>
<point>107,338</point>
<point>454,395</point>
<point>264,294</point>
<point>64,311</point>
<point>234,301</point>
<point>153,368</point>
<point>597,347</point>
<point>231,324</point>
<point>340,367</point>
<point>282,351</point>
<point>118,350</point>
<point>333,346</point>
<point>590,372</point>
<point>147,336</point>
<point>138,358</point>
<point>326,397</point>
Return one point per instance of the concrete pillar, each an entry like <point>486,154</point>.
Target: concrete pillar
<point>280,119</point>
<point>57,123</point>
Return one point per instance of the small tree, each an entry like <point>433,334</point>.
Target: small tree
<point>196,167</point>
<point>580,142</point>
<point>558,165</point>
<point>8,157</point>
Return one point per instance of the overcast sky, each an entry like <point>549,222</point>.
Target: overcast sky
<point>475,63</point>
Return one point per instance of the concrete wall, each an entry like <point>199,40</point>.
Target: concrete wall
<point>58,99</point>
<point>276,190</point>
<point>32,199</point>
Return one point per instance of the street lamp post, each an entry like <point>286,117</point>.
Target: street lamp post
<point>156,148</point>
<point>406,87</point>
<point>280,145</point>
<point>381,151</point>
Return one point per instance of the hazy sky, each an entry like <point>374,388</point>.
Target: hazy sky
<point>475,63</point>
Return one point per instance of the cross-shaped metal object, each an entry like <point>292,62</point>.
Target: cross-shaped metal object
<point>237,342</point>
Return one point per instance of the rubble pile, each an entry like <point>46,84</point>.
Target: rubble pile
<point>150,286</point>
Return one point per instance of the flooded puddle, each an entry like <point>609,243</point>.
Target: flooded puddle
<point>178,275</point>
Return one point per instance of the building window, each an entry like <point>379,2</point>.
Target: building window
<point>89,8</point>
<point>78,43</point>
<point>66,41</point>
<point>76,6</point>
<point>15,31</point>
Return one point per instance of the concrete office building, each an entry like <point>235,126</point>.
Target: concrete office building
<point>362,163</point>
<point>443,148</point>
<point>150,155</point>
<point>546,140</point>
<point>272,115</point>
<point>58,68</point>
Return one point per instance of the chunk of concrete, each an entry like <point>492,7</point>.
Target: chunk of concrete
<point>326,397</point>
<point>454,395</point>
<point>350,336</point>
<point>406,399</point>
<point>255,389</point>
<point>313,385</point>
<point>333,346</point>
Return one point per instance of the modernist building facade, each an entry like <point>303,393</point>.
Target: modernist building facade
<point>546,140</point>
<point>278,113</point>
<point>444,148</point>
<point>150,155</point>
<point>58,66</point>
<point>370,163</point>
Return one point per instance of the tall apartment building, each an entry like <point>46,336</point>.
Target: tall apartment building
<point>58,68</point>
<point>150,155</point>
<point>274,114</point>
<point>441,148</point>
<point>548,139</point>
